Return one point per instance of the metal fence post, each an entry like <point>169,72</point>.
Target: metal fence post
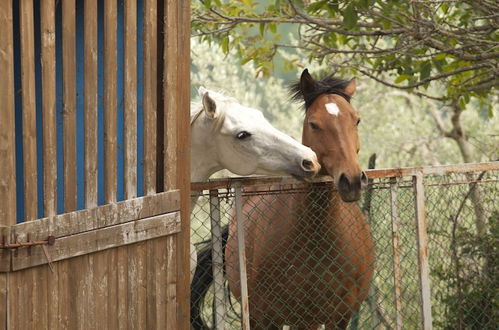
<point>242,257</point>
<point>396,253</point>
<point>422,239</point>
<point>217,261</point>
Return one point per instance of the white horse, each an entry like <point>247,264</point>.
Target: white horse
<point>228,135</point>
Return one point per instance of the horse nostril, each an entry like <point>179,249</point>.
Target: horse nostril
<point>307,165</point>
<point>363,178</point>
<point>344,183</point>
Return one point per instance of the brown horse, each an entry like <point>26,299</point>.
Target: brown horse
<point>310,255</point>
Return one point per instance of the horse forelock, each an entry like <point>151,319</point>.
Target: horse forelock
<point>328,85</point>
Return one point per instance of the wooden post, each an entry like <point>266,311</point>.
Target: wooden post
<point>217,261</point>
<point>422,239</point>
<point>90,102</point>
<point>396,253</point>
<point>69,100</point>
<point>241,250</point>
<point>130,98</point>
<point>110,99</point>
<point>7,122</point>
<point>150,94</point>
<point>48,105</point>
<point>29,109</point>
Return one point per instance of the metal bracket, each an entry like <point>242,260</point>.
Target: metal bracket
<point>49,241</point>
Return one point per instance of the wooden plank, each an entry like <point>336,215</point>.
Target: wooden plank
<point>170,88</point>
<point>137,279</point>
<point>69,102</point>
<point>150,94</point>
<point>101,217</point>
<point>183,162</point>
<point>47,27</point>
<point>100,289</point>
<point>78,290</point>
<point>172,313</point>
<point>422,240</point>
<point>7,123</point>
<point>110,99</point>
<point>29,108</point>
<point>54,297</point>
<point>112,289</point>
<point>5,255</point>
<point>4,310</point>
<point>130,98</point>
<point>39,296</point>
<point>122,288</point>
<point>65,297</point>
<point>156,283</point>
<point>397,276</point>
<point>90,102</point>
<point>99,240</point>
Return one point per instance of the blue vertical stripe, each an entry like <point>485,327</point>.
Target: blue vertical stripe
<point>80,135</point>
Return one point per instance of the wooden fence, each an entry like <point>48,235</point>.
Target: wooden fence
<point>94,151</point>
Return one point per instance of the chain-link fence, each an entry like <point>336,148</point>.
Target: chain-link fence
<point>435,232</point>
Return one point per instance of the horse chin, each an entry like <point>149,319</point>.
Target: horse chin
<point>349,196</point>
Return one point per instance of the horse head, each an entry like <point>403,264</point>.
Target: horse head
<point>330,129</point>
<point>239,138</point>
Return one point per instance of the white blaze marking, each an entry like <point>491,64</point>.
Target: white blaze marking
<point>333,109</point>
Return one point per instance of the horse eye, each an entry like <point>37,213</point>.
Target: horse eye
<point>314,126</point>
<point>243,135</point>
<point>358,122</point>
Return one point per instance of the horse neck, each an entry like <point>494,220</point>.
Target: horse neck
<point>321,207</point>
<point>204,155</point>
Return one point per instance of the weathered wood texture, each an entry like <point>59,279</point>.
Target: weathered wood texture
<point>130,98</point>
<point>107,289</point>
<point>69,103</point>
<point>150,101</point>
<point>123,264</point>
<point>7,126</point>
<point>110,100</point>
<point>90,102</point>
<point>182,164</point>
<point>28,108</point>
<point>47,28</point>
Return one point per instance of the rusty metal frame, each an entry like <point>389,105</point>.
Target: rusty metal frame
<point>422,240</point>
<point>242,257</point>
<point>372,174</point>
<point>217,261</point>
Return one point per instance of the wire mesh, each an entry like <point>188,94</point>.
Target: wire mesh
<point>301,271</point>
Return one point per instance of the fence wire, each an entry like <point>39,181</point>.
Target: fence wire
<point>462,216</point>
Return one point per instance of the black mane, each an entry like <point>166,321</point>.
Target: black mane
<point>328,85</point>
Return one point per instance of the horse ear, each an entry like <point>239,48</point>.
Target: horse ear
<point>351,88</point>
<point>202,91</point>
<point>209,106</point>
<point>306,82</point>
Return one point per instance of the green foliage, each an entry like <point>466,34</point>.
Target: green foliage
<point>415,46</point>
<point>470,301</point>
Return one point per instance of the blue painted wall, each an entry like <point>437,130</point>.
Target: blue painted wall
<point>80,111</point>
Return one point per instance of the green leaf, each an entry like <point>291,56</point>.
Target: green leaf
<point>402,77</point>
<point>225,45</point>
<point>425,70</point>
<point>262,29</point>
<point>273,27</point>
<point>350,17</point>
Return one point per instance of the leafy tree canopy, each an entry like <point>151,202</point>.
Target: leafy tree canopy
<point>443,49</point>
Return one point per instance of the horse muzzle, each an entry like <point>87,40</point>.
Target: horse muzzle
<point>350,188</point>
